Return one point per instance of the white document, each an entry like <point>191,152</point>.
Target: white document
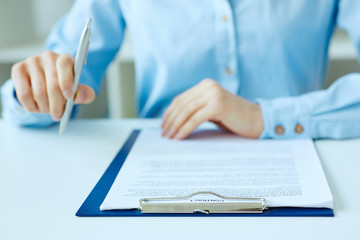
<point>284,172</point>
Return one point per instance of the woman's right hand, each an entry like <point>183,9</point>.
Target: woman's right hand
<point>43,84</point>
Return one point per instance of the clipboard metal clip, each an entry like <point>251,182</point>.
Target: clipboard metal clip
<point>203,202</point>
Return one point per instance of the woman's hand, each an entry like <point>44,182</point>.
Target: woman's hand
<point>208,101</point>
<point>44,83</point>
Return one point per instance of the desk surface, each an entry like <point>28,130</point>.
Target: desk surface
<point>45,178</point>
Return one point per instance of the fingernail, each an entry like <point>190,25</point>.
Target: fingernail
<point>57,119</point>
<point>67,94</point>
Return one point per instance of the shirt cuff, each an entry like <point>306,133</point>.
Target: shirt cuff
<point>285,117</point>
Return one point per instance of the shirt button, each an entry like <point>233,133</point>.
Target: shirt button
<point>228,71</point>
<point>280,130</point>
<point>224,18</point>
<point>299,129</point>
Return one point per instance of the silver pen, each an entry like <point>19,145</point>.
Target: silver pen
<point>80,61</point>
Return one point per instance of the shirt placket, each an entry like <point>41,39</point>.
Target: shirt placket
<point>226,46</point>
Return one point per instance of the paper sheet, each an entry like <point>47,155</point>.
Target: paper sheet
<point>285,172</point>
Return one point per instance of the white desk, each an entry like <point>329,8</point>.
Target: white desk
<point>45,178</point>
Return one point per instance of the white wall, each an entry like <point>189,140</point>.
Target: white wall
<point>28,21</point>
<point>24,26</point>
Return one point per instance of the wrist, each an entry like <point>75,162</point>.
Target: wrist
<point>257,119</point>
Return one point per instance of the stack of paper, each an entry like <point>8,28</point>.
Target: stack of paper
<point>284,172</point>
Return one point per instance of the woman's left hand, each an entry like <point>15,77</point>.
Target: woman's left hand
<point>208,101</point>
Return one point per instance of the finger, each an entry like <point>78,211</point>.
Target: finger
<point>188,104</point>
<point>173,111</point>
<point>178,100</point>
<point>65,70</point>
<point>22,87</point>
<point>186,98</point>
<point>38,84</point>
<point>181,102</point>
<point>84,94</point>
<point>169,110</point>
<point>199,117</point>
<point>180,116</point>
<point>56,99</point>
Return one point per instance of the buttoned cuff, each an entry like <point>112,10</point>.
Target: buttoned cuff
<point>286,117</point>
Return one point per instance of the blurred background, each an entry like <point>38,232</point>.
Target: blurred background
<point>25,24</point>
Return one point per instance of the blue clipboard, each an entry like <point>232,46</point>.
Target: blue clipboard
<point>91,206</point>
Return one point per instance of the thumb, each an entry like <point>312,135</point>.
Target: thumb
<point>84,94</point>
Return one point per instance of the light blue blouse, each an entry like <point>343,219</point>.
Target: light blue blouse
<point>274,52</point>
